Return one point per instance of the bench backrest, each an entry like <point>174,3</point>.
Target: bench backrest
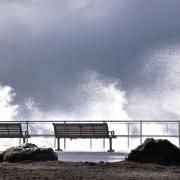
<point>81,130</point>
<point>10,130</point>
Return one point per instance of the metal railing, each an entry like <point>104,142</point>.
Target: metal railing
<point>139,124</point>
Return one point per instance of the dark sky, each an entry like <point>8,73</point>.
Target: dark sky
<point>45,44</point>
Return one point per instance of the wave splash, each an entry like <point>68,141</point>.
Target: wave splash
<point>95,98</point>
<point>8,111</point>
<point>99,98</point>
<point>159,96</point>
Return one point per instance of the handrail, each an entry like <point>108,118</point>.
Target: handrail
<point>131,121</point>
<point>140,123</point>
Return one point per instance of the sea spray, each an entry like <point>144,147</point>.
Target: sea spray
<point>95,98</point>
<point>158,97</point>
<point>99,98</point>
<point>8,111</point>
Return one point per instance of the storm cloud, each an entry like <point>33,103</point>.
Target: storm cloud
<point>46,45</point>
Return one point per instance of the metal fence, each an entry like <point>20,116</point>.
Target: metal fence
<point>140,129</point>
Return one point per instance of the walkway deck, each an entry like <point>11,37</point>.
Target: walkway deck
<point>91,156</point>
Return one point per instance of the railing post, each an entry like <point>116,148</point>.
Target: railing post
<point>179,133</point>
<point>90,143</point>
<point>167,127</point>
<point>27,130</point>
<point>54,142</point>
<point>104,144</point>
<point>128,133</point>
<point>64,139</point>
<point>27,126</point>
<point>140,132</point>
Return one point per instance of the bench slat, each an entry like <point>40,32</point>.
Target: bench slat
<point>11,130</point>
<point>81,130</point>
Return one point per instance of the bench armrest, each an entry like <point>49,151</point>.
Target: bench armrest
<point>112,134</point>
<point>26,134</point>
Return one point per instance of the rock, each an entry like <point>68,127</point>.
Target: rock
<point>29,152</point>
<point>155,151</point>
<point>1,156</point>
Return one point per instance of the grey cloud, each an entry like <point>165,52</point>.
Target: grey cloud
<point>44,44</point>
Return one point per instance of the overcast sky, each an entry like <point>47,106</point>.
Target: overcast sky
<point>45,45</point>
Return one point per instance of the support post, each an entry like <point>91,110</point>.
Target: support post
<point>65,143</point>
<point>110,145</point>
<point>140,132</point>
<point>24,140</point>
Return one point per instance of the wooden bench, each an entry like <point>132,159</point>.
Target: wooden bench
<point>83,130</point>
<point>13,130</point>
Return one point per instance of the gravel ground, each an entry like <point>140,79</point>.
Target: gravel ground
<point>86,170</point>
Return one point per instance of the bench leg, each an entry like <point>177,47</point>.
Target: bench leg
<point>110,145</point>
<point>58,145</point>
<point>19,141</point>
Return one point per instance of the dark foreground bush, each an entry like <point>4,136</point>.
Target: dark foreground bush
<point>28,152</point>
<point>155,151</point>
